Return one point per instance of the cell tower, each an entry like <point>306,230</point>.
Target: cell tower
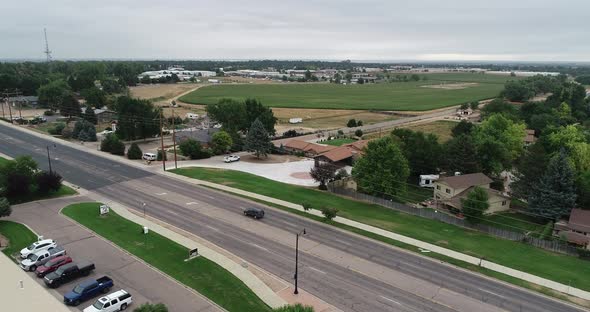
<point>47,51</point>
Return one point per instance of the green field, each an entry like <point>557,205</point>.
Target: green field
<point>338,142</point>
<point>383,96</point>
<point>201,274</point>
<point>18,235</point>
<point>560,268</point>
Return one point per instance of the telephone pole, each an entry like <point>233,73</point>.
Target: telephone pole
<point>7,95</point>
<point>162,141</point>
<point>174,139</point>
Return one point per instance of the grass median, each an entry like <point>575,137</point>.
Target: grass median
<point>18,236</point>
<point>560,268</point>
<point>201,274</point>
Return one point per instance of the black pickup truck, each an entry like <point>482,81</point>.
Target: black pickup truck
<point>67,273</point>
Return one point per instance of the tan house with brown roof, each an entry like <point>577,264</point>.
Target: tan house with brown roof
<point>577,229</point>
<point>343,155</point>
<point>448,192</point>
<point>529,137</point>
<point>309,149</point>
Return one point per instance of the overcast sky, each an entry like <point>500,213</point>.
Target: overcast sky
<point>462,30</point>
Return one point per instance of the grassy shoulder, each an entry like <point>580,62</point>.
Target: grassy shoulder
<point>201,274</point>
<point>560,268</point>
<point>18,236</point>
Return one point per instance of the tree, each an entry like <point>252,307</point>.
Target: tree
<point>69,106</point>
<point>257,140</point>
<point>351,123</point>
<point>530,168</point>
<point>255,110</point>
<point>230,113</point>
<point>294,308</point>
<point>462,128</point>
<point>499,106</point>
<point>460,155</point>
<point>94,97</point>
<point>84,131</point>
<point>149,307</point>
<point>583,187</point>
<point>113,145</point>
<point>140,118</point>
<point>518,91</point>
<point>221,142</point>
<point>359,123</point>
<point>90,116</point>
<point>464,106</point>
<point>48,182</point>
<point>499,141</point>
<point>475,204</point>
<point>421,150</point>
<point>573,139</point>
<point>383,169</point>
<point>193,149</point>
<point>5,209</point>
<point>323,172</point>
<point>554,195</point>
<point>134,152</point>
<point>341,174</point>
<point>52,94</point>
<point>358,133</point>
<point>147,80</point>
<point>474,105</point>
<point>329,213</point>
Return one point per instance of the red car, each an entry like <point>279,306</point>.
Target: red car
<point>52,265</point>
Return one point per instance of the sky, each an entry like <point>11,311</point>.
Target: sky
<point>386,30</point>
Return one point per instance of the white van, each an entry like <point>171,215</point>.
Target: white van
<point>117,301</point>
<point>149,156</point>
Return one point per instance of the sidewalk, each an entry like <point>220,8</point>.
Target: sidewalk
<point>401,238</point>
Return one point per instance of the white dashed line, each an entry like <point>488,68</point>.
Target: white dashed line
<point>317,270</point>
<point>160,194</point>
<point>391,300</point>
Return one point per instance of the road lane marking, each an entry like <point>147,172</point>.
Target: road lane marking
<point>493,293</point>
<point>211,197</point>
<point>317,270</point>
<point>192,203</point>
<point>213,228</point>
<point>391,300</point>
<point>160,194</point>
<point>258,246</point>
<point>172,212</point>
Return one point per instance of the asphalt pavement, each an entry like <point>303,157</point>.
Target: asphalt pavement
<point>365,275</point>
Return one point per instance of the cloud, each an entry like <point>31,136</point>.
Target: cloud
<point>304,29</point>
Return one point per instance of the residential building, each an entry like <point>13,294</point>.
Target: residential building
<point>576,230</point>
<point>529,137</point>
<point>448,192</point>
<point>24,100</point>
<point>343,155</point>
<point>202,136</point>
<point>309,149</point>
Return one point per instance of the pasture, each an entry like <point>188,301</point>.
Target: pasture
<point>437,91</point>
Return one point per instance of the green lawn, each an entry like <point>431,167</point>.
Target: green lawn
<point>557,267</point>
<point>338,142</point>
<point>516,222</point>
<point>18,235</point>
<point>3,161</point>
<point>414,95</point>
<point>201,274</point>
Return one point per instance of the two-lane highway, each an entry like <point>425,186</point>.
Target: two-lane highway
<point>403,282</point>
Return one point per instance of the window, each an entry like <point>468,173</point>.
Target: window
<point>106,305</point>
<point>448,191</point>
<point>114,302</point>
<point>438,187</point>
<point>503,203</point>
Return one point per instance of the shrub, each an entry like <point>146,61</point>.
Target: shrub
<point>66,133</point>
<point>48,182</point>
<point>83,136</point>
<point>5,209</point>
<point>193,149</point>
<point>19,186</point>
<point>329,213</point>
<point>159,157</point>
<point>306,206</point>
<point>290,133</point>
<point>118,148</point>
<point>547,230</point>
<point>584,253</point>
<point>112,144</point>
<point>85,127</point>
<point>48,113</point>
<point>340,132</point>
<point>359,123</point>
<point>351,123</point>
<point>341,174</point>
<point>358,133</point>
<point>134,152</point>
<point>57,128</point>
<point>221,142</point>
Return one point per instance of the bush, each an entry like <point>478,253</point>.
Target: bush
<point>358,133</point>
<point>149,307</point>
<point>5,209</point>
<point>359,123</point>
<point>48,182</point>
<point>87,129</point>
<point>329,213</point>
<point>19,186</point>
<point>290,133</point>
<point>351,123</point>
<point>112,144</point>
<point>159,157</point>
<point>66,133</point>
<point>584,253</point>
<point>134,152</point>
<point>193,149</point>
<point>48,113</point>
<point>341,174</point>
<point>118,148</point>
<point>306,206</point>
<point>547,230</point>
<point>221,142</point>
<point>57,128</point>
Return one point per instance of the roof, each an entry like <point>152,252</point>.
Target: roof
<point>308,147</point>
<point>296,144</point>
<point>455,201</point>
<point>577,238</point>
<point>580,220</point>
<point>200,135</point>
<point>530,136</point>
<point>358,145</point>
<point>340,153</point>
<point>466,180</point>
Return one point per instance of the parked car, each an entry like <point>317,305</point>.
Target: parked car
<point>44,244</point>
<point>88,289</point>
<point>40,257</point>
<point>149,156</point>
<point>52,265</point>
<point>67,273</point>
<point>117,301</point>
<point>255,213</point>
<point>231,158</point>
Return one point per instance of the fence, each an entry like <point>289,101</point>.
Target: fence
<point>337,187</point>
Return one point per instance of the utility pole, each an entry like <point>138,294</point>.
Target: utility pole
<point>174,139</point>
<point>162,140</point>
<point>7,96</point>
<point>297,258</point>
<point>48,159</point>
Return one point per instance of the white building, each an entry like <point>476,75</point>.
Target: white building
<point>182,73</point>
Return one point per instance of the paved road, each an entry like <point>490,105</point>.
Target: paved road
<point>144,283</point>
<point>348,271</point>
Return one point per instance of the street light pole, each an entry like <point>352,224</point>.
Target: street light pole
<point>297,258</point>
<point>143,206</point>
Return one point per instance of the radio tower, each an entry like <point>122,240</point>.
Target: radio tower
<point>47,51</point>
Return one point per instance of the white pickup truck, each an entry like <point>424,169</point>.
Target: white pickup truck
<point>41,257</point>
<point>117,301</point>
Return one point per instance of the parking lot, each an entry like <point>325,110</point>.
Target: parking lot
<point>127,272</point>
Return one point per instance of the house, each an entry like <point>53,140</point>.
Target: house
<point>529,137</point>
<point>448,192</point>
<point>105,115</point>
<point>202,136</point>
<point>309,149</point>
<point>24,100</point>
<point>464,112</point>
<point>343,155</point>
<point>577,229</point>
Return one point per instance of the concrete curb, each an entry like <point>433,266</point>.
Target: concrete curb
<point>248,278</point>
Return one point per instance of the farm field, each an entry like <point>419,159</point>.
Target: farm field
<point>160,91</point>
<point>324,118</point>
<point>438,90</point>
<point>441,128</point>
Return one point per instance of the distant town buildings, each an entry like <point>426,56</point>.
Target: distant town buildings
<point>182,73</point>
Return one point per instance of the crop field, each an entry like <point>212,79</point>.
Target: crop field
<point>437,91</point>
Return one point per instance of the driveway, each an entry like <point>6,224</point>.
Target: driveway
<point>144,283</point>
